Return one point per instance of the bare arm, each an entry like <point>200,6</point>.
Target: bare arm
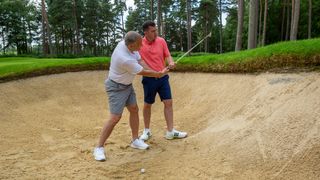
<point>151,73</point>
<point>171,63</point>
<point>144,64</point>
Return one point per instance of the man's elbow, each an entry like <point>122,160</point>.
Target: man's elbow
<point>142,72</point>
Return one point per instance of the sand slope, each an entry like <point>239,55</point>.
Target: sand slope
<point>240,127</point>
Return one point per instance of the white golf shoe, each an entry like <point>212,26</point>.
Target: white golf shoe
<point>98,154</point>
<point>145,135</point>
<point>139,144</point>
<point>174,134</point>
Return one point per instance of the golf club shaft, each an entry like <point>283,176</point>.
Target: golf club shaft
<point>192,48</point>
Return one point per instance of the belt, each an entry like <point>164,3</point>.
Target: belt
<point>155,77</point>
<point>119,83</point>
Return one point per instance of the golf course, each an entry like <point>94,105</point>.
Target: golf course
<point>244,118</point>
<point>160,90</point>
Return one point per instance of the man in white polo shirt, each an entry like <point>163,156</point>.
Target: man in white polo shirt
<point>125,64</point>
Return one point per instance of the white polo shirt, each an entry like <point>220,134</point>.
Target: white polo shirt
<point>124,64</point>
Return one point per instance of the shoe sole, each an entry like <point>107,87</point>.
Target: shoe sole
<point>141,148</point>
<point>145,139</point>
<point>100,160</point>
<point>171,138</point>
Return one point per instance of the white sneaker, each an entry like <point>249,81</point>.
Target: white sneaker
<point>139,144</point>
<point>174,134</point>
<point>145,135</point>
<point>98,154</point>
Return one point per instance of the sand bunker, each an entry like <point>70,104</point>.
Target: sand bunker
<point>240,127</point>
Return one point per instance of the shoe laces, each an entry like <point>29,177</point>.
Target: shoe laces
<point>100,149</point>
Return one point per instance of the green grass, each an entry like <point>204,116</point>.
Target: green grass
<point>303,48</point>
<point>20,66</point>
<point>296,54</point>
<point>279,57</point>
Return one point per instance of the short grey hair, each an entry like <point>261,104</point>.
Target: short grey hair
<point>131,37</point>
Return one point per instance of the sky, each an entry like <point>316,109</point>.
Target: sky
<point>130,3</point>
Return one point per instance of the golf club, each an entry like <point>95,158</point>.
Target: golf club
<point>209,35</point>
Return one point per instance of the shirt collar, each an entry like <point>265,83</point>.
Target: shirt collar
<point>128,50</point>
<point>145,40</point>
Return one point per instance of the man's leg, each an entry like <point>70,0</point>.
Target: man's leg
<point>107,129</point>
<point>168,113</point>
<point>147,115</point>
<point>134,124</point>
<point>134,120</point>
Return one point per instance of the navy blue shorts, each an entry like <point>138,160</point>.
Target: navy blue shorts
<point>152,86</point>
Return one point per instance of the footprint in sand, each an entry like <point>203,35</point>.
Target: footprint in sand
<point>47,138</point>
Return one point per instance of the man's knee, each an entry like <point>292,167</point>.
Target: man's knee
<point>147,106</point>
<point>133,109</point>
<point>167,103</point>
<point>115,118</point>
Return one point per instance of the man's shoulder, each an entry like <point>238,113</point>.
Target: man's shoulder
<point>160,39</point>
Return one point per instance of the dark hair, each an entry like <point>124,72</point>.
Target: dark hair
<point>146,25</point>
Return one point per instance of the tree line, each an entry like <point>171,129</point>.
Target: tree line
<point>93,27</point>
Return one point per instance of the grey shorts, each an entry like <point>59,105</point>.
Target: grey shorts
<point>120,95</point>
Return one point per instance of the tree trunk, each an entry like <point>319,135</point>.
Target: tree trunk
<point>206,29</point>
<point>189,24</point>
<point>151,12</point>
<point>288,21</point>
<point>180,35</point>
<point>265,22</point>
<point>94,48</point>
<point>292,17</point>
<point>220,6</point>
<point>46,30</point>
<point>30,36</point>
<point>310,19</point>
<point>57,46</point>
<point>3,42</point>
<point>108,53</point>
<point>62,34</point>
<point>77,41</point>
<point>25,43</point>
<point>283,18</point>
<point>295,24</point>
<point>163,27</point>
<point>260,23</point>
<point>257,23</point>
<point>252,35</point>
<point>45,48</point>
<point>159,17</point>
<point>240,25</point>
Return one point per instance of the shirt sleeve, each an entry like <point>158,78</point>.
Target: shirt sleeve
<point>138,55</point>
<point>166,51</point>
<point>132,66</point>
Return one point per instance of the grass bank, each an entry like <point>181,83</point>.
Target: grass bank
<point>303,54</point>
<point>280,57</point>
<point>21,67</point>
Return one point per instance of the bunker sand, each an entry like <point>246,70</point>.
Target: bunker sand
<point>240,127</point>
